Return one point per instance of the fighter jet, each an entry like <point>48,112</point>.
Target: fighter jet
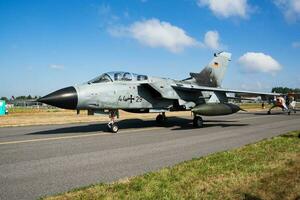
<point>200,93</point>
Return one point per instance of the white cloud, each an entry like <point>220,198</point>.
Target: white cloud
<point>227,8</point>
<point>256,86</point>
<point>259,62</point>
<point>56,67</point>
<point>156,33</point>
<point>296,44</point>
<point>290,9</point>
<point>211,40</point>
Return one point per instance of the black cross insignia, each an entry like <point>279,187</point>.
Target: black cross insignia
<point>131,98</point>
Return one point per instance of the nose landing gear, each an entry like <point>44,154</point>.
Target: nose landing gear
<point>112,125</point>
<point>114,128</point>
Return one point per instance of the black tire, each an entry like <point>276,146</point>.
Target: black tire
<point>160,119</point>
<point>289,113</point>
<point>198,122</point>
<point>114,128</point>
<point>269,112</point>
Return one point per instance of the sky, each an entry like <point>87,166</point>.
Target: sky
<point>46,45</point>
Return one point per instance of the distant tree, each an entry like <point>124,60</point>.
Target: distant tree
<point>25,97</point>
<point>4,99</point>
<point>297,90</point>
<point>285,90</point>
<point>20,97</point>
<point>276,89</point>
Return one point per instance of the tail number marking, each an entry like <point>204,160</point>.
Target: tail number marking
<point>130,98</point>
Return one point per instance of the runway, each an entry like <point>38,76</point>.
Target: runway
<point>43,160</point>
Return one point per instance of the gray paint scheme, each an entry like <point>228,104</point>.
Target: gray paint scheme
<point>135,93</point>
<point>160,93</point>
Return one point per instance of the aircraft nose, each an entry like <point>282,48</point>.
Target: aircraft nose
<point>66,98</point>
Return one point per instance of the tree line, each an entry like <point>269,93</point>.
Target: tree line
<point>285,90</point>
<point>29,97</point>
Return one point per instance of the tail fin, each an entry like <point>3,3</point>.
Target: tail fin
<point>212,75</point>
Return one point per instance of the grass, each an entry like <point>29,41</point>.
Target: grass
<point>247,106</point>
<point>269,169</point>
<point>15,110</point>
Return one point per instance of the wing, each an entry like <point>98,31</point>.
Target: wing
<point>191,87</point>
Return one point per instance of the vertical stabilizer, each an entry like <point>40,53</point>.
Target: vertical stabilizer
<point>212,75</point>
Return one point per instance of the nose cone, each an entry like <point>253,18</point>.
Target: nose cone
<point>66,98</point>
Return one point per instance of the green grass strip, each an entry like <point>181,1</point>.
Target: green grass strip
<point>269,169</point>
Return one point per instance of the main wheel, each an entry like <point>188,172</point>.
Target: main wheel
<point>198,122</point>
<point>160,119</point>
<point>289,112</point>
<point>269,112</point>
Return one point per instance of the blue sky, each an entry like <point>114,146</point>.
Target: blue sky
<point>50,44</point>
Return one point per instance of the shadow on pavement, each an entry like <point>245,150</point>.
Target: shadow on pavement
<point>272,113</point>
<point>177,123</point>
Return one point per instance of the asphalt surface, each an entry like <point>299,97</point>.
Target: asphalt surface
<point>43,160</point>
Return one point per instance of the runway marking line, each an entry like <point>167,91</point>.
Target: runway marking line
<point>73,136</point>
<point>100,134</point>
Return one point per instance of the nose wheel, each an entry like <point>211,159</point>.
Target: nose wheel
<point>198,122</point>
<point>114,128</point>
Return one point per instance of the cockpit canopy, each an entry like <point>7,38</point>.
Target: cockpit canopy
<point>118,76</point>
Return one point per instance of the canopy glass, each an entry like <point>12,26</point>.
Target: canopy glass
<point>118,76</point>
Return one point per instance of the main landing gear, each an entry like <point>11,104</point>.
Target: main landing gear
<point>112,125</point>
<point>197,122</point>
<point>161,118</point>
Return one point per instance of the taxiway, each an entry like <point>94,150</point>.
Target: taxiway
<point>44,160</point>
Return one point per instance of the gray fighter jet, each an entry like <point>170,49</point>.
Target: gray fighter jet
<point>201,93</point>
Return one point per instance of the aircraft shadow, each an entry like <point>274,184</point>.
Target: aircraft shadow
<point>177,123</point>
<point>216,123</point>
<point>272,113</point>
